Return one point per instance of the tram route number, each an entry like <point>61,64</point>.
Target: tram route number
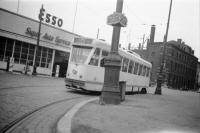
<point>48,18</point>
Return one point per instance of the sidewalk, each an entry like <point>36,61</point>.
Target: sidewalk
<point>173,112</point>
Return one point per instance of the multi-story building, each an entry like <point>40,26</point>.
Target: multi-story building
<point>180,62</point>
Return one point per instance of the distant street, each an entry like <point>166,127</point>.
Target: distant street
<point>21,94</point>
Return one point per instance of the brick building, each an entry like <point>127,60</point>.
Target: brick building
<point>180,62</point>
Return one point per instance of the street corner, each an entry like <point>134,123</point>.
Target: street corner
<point>139,113</point>
<point>65,123</point>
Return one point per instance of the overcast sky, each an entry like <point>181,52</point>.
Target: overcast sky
<point>91,15</point>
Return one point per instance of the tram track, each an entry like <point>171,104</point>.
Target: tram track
<point>18,122</point>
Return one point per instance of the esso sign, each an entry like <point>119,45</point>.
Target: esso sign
<point>48,18</point>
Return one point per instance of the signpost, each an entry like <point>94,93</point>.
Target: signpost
<point>110,91</point>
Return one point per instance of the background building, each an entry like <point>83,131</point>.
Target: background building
<point>180,62</point>
<point>198,76</point>
<point>18,38</point>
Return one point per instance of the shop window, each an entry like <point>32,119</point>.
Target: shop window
<point>30,62</point>
<point>44,54</point>
<point>2,50</point>
<point>31,52</point>
<point>43,64</point>
<point>136,68</point>
<point>130,69</point>
<point>8,53</point>
<point>49,55</point>
<point>125,65</point>
<point>30,57</point>
<point>44,59</point>
<point>38,53</point>
<point>16,60</point>
<point>32,47</point>
<point>23,61</point>
<point>24,56</point>
<point>37,58</point>
<point>9,46</point>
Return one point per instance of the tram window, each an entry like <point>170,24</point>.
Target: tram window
<point>136,68</point>
<point>95,58</point>
<point>144,71</point>
<point>104,54</point>
<point>80,54</point>
<point>147,74</point>
<point>130,69</point>
<point>140,70</point>
<point>125,65</point>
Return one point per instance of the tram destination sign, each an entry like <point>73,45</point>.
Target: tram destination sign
<point>117,19</point>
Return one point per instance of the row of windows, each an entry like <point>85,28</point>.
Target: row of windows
<point>127,65</point>
<point>179,68</point>
<point>24,53</point>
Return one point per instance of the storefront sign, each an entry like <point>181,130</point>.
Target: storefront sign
<point>46,36</point>
<point>31,32</point>
<point>48,18</point>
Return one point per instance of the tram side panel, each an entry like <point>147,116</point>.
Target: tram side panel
<point>95,78</point>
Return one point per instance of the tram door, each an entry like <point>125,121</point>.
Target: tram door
<point>60,64</point>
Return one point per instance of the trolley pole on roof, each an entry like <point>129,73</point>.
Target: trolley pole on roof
<point>38,42</point>
<point>160,78</point>
<point>110,91</point>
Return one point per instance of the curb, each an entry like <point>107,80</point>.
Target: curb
<point>64,124</point>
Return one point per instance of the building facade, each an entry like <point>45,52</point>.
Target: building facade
<point>18,38</point>
<point>198,76</point>
<point>180,63</point>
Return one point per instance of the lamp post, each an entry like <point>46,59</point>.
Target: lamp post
<point>38,41</point>
<point>161,75</point>
<point>110,91</point>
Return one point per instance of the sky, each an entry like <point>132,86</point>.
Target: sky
<point>91,15</point>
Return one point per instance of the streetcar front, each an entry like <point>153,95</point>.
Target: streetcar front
<point>75,76</point>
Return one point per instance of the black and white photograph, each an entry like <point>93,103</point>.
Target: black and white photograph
<point>99,66</point>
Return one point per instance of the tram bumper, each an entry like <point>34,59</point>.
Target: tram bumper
<point>74,83</point>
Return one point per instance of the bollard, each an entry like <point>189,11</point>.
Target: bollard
<point>122,87</point>
<point>57,70</point>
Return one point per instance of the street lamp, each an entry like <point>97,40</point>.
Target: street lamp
<point>110,91</point>
<point>161,75</point>
<point>38,41</point>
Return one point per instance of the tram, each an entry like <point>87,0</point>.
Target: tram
<point>86,72</point>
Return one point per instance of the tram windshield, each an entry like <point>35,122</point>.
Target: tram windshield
<point>80,54</point>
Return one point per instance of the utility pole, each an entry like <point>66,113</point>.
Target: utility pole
<point>110,91</point>
<point>38,41</point>
<point>98,33</point>
<point>162,67</point>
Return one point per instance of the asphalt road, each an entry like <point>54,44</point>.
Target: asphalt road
<point>22,94</point>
